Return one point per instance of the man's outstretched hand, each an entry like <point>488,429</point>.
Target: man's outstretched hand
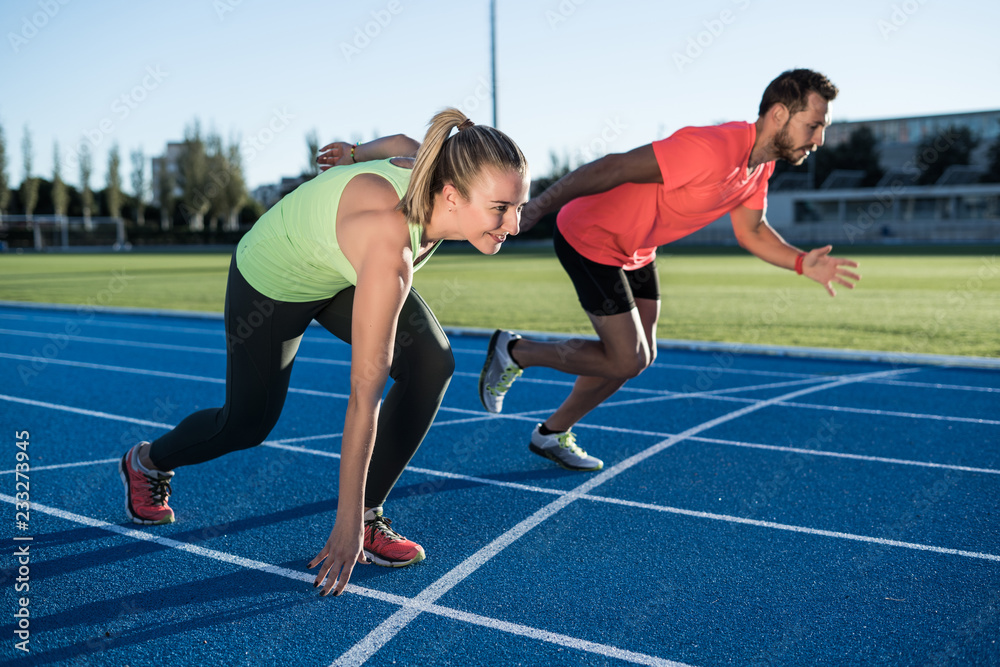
<point>826,270</point>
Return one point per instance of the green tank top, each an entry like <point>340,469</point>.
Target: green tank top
<point>292,254</point>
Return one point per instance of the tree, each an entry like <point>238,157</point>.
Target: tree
<point>4,186</point>
<point>992,174</point>
<point>86,194</point>
<point>216,181</point>
<point>113,193</point>
<point>547,223</point>
<point>193,177</point>
<point>166,187</point>
<point>139,185</point>
<point>312,146</point>
<point>859,152</point>
<point>60,195</point>
<point>936,153</point>
<point>236,188</point>
<point>29,186</point>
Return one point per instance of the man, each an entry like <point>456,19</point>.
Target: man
<point>615,212</point>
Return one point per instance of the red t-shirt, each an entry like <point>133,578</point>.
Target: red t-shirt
<point>704,177</point>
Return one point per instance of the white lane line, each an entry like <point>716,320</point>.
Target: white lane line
<point>796,529</point>
<point>748,445</point>
<point>719,368</point>
<point>381,635</point>
<point>218,330</point>
<point>150,346</point>
<point>718,393</point>
<point>286,443</point>
<point>553,638</point>
<point>656,395</point>
<point>728,518</point>
<point>44,361</point>
<point>397,600</point>
<point>721,351</point>
<point>57,466</point>
<point>106,367</point>
<point>346,363</point>
<point>479,417</point>
<point>890,413</point>
<point>112,341</point>
<point>845,455</point>
<point>90,321</point>
<point>937,385</point>
<point>314,392</point>
<point>712,369</point>
<point>81,411</point>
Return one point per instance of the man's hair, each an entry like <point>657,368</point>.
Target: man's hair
<point>792,89</point>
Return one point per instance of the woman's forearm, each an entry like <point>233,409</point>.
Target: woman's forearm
<point>397,145</point>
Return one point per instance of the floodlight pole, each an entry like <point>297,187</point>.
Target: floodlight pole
<point>493,56</point>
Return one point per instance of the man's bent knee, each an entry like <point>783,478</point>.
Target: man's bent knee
<point>640,362</point>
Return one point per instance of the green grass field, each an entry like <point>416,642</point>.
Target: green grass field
<point>935,304</point>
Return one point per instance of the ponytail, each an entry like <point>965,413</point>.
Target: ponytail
<point>457,159</point>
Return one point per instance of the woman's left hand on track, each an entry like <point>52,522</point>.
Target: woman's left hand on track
<point>342,550</point>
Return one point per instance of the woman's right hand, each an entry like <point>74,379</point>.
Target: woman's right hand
<point>334,155</point>
<point>342,550</point>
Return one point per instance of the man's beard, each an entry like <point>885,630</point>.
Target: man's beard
<point>786,150</point>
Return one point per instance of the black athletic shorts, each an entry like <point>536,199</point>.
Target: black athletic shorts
<point>604,289</point>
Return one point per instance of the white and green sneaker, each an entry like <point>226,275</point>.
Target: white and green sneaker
<point>499,371</point>
<point>562,448</point>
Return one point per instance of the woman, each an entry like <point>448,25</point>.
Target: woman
<point>342,249</point>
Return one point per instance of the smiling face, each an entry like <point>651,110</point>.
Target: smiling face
<point>803,132</point>
<point>492,211</point>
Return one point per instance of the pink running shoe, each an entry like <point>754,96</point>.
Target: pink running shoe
<point>384,546</point>
<point>145,495</point>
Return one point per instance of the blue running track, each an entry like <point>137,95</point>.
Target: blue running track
<point>752,510</point>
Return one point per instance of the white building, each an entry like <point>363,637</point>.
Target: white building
<point>957,208</point>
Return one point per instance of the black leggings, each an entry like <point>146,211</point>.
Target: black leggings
<point>262,337</point>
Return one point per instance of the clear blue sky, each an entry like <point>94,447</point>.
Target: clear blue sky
<point>577,77</point>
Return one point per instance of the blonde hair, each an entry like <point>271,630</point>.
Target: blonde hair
<point>459,159</point>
